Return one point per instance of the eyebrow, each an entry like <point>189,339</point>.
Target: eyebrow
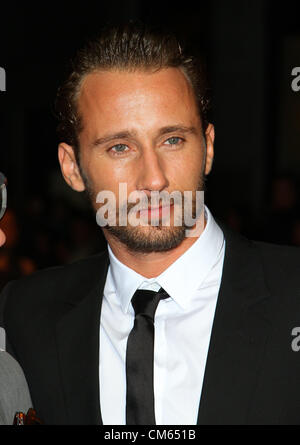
<point>132,134</point>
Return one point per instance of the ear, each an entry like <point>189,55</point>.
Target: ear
<point>210,138</point>
<point>69,167</point>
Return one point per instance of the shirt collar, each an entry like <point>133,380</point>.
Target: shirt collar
<point>181,278</point>
<point>125,280</point>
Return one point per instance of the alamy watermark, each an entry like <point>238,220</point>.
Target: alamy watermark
<point>158,209</point>
<point>296,341</point>
<point>2,79</point>
<point>296,81</point>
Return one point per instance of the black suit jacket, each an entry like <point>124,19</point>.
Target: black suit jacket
<point>252,374</point>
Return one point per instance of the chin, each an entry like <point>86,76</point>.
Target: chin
<point>148,239</point>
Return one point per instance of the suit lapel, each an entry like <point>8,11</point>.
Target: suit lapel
<point>238,336</point>
<point>78,350</point>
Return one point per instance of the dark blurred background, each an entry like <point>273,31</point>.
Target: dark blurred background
<point>251,48</point>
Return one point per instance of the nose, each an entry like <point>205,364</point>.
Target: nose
<point>151,172</point>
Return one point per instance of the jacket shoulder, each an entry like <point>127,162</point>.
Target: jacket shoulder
<point>49,289</point>
<point>281,266</point>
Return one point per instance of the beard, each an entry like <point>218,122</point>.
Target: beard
<point>150,238</point>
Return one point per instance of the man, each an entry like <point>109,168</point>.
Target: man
<point>176,323</point>
<point>14,393</point>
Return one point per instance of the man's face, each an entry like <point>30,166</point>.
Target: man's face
<point>141,129</point>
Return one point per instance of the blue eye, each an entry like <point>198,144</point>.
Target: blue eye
<point>174,140</point>
<point>119,148</point>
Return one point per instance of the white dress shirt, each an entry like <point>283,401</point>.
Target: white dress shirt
<point>183,325</point>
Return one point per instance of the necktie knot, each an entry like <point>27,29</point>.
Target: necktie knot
<point>145,301</point>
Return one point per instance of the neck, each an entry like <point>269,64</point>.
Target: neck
<point>151,264</point>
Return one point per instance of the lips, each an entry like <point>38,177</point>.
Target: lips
<point>154,211</point>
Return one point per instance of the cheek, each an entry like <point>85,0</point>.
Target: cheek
<point>185,173</point>
<point>106,174</point>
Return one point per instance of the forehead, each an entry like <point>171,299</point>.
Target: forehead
<point>116,97</point>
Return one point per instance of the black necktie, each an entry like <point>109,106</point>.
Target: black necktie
<point>139,358</point>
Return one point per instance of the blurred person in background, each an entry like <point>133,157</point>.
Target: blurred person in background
<point>280,225</point>
<point>14,392</point>
<point>13,262</point>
